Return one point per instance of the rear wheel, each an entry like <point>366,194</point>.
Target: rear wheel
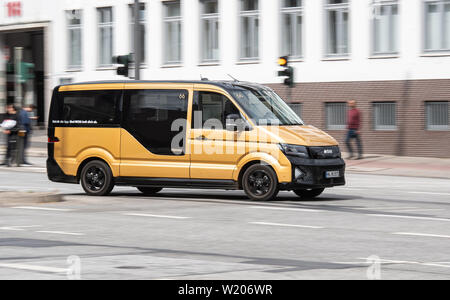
<point>260,183</point>
<point>97,178</point>
<point>309,194</point>
<point>149,190</point>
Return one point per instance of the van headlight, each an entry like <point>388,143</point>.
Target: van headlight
<point>294,150</point>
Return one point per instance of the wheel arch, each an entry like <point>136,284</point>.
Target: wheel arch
<point>283,173</point>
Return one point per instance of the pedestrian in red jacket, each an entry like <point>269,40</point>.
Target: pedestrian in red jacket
<point>353,129</point>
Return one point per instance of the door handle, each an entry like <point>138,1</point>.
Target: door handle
<point>202,138</point>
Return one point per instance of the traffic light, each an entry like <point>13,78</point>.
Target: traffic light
<point>125,61</point>
<point>288,71</point>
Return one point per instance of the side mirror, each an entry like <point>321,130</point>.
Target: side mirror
<point>234,122</point>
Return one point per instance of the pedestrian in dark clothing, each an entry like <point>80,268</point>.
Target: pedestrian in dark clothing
<point>10,127</point>
<point>25,122</point>
<point>353,129</point>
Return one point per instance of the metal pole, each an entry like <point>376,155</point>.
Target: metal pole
<point>137,40</point>
<point>18,53</point>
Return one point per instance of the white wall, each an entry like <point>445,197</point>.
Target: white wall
<point>359,67</point>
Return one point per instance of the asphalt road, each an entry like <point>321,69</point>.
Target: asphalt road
<point>375,227</point>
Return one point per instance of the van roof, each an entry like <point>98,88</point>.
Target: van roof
<point>223,84</point>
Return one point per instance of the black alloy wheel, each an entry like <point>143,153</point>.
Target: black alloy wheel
<point>97,178</point>
<point>260,183</point>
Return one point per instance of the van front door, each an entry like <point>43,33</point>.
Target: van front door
<point>215,151</point>
<point>153,139</point>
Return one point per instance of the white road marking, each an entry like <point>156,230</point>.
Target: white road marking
<point>157,216</point>
<point>60,232</point>
<point>285,208</point>
<point>42,208</point>
<point>409,217</point>
<point>418,210</point>
<point>403,262</point>
<point>285,225</point>
<point>18,228</point>
<point>422,234</point>
<point>382,207</point>
<point>430,193</point>
<point>350,189</point>
<point>33,268</point>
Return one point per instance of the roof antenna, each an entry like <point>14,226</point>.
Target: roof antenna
<point>203,78</point>
<point>235,80</point>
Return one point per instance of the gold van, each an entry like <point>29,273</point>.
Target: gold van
<point>207,134</point>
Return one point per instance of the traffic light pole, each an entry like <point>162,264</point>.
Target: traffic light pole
<point>137,41</point>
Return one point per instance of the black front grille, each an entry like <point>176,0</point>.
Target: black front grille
<point>316,175</point>
<point>329,152</point>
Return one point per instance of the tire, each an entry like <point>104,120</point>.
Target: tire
<point>260,183</point>
<point>149,190</point>
<point>309,194</point>
<point>96,178</point>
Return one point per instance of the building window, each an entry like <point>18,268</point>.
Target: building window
<point>297,108</point>
<point>437,25</point>
<point>385,26</point>
<point>337,26</point>
<point>74,25</point>
<point>292,28</point>
<point>437,115</point>
<point>105,33</point>
<point>210,30</point>
<point>249,24</point>
<point>142,20</point>
<point>385,116</point>
<point>173,36</point>
<point>336,115</point>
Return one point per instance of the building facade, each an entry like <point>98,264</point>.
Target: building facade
<point>393,57</point>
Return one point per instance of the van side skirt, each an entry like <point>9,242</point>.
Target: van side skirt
<point>177,183</point>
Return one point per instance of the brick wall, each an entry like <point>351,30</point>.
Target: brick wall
<point>411,137</point>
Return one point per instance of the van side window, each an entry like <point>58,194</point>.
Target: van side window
<point>88,108</point>
<point>149,116</point>
<point>212,106</point>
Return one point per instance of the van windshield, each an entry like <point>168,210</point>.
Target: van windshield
<point>265,107</point>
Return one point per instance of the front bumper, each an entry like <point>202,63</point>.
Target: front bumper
<point>313,173</point>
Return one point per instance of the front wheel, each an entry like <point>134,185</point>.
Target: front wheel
<point>260,183</point>
<point>309,194</point>
<point>97,178</point>
<point>149,190</point>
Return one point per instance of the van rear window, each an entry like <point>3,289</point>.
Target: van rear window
<point>87,108</point>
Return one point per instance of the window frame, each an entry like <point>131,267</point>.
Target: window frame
<point>294,12</point>
<point>393,34</point>
<point>212,18</point>
<point>253,16</point>
<point>432,128</point>
<point>336,127</point>
<point>340,7</point>
<point>69,29</point>
<point>165,41</point>
<point>101,25</point>
<point>378,127</point>
<point>425,48</point>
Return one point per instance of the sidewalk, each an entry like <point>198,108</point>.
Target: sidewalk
<point>371,164</point>
<point>400,166</point>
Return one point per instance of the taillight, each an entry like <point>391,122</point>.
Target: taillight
<point>53,139</point>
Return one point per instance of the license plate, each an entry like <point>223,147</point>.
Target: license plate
<point>332,174</point>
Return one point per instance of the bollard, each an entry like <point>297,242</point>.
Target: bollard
<point>20,147</point>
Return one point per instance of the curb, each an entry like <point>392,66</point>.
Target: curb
<point>23,198</point>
